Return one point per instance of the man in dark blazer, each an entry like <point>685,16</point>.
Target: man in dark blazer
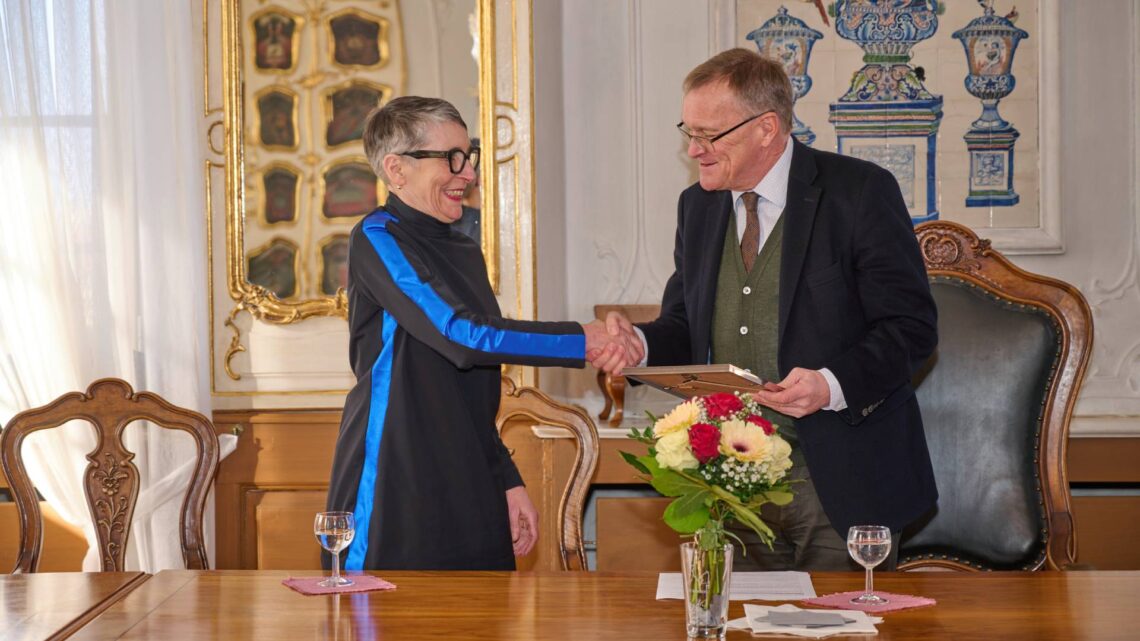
<point>827,295</point>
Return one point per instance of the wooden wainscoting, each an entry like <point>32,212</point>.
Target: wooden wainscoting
<point>275,481</point>
<point>271,486</point>
<point>1105,476</point>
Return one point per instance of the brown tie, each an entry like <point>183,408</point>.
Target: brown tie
<point>750,242</point>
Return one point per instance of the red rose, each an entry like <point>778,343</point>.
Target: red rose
<point>704,439</point>
<point>764,424</point>
<point>722,404</point>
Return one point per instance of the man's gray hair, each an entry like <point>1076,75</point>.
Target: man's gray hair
<point>402,125</point>
<point>759,83</point>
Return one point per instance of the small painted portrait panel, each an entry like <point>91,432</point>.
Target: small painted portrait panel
<point>348,108</point>
<point>273,41</point>
<point>274,267</point>
<point>280,185</point>
<point>355,40</point>
<point>277,115</point>
<point>334,264</point>
<point>350,190</point>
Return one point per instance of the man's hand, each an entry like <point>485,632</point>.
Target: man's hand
<point>524,520</point>
<point>804,392</point>
<point>613,344</point>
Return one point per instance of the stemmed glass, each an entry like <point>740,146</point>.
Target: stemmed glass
<point>869,545</point>
<point>334,532</point>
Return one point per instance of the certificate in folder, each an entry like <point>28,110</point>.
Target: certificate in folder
<point>687,381</point>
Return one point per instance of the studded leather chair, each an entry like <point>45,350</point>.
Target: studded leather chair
<point>996,400</point>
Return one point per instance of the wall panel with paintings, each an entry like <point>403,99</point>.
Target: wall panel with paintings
<point>311,77</point>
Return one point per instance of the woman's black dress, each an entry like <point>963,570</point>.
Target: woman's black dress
<point>418,459</point>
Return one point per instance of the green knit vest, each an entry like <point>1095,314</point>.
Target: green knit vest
<point>745,327</point>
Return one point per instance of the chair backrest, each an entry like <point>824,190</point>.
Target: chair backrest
<point>111,481</point>
<point>533,404</point>
<point>997,397</point>
<point>636,313</point>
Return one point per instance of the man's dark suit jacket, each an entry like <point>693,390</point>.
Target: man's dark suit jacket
<point>853,298</point>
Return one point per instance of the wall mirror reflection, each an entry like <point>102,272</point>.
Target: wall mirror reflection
<point>301,77</point>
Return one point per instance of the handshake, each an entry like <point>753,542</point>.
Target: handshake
<point>613,344</point>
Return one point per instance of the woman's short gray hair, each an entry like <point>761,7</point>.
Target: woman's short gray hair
<point>401,126</point>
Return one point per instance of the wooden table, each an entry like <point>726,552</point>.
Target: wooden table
<point>236,604</point>
<point>52,605</point>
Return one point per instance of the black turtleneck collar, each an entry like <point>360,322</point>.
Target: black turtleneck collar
<point>414,219</point>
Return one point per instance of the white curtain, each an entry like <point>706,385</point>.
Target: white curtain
<point>102,236</point>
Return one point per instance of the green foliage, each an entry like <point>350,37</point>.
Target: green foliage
<point>643,436</point>
<point>632,460</point>
<point>687,514</point>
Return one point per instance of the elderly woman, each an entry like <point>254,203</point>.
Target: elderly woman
<point>418,459</point>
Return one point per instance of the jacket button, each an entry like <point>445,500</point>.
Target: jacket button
<point>747,290</point>
<point>743,330</point>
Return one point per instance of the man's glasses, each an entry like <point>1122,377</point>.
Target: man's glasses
<point>456,158</point>
<point>706,142</point>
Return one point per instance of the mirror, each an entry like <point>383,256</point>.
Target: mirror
<point>299,78</point>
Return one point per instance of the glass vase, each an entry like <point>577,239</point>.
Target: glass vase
<point>706,575</point>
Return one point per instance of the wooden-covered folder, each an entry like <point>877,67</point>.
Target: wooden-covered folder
<point>687,381</point>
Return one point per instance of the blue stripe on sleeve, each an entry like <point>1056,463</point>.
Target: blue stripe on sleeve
<point>377,413</point>
<point>483,338</point>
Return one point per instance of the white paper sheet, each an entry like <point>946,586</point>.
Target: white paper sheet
<point>746,586</point>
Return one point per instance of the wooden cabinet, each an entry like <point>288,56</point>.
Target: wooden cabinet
<point>64,545</point>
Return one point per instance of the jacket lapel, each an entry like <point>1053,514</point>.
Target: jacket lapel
<point>712,243</point>
<point>799,218</point>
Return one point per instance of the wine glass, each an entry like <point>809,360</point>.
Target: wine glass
<point>869,545</point>
<point>334,532</point>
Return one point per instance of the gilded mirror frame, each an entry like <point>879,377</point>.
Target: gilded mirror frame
<point>259,301</point>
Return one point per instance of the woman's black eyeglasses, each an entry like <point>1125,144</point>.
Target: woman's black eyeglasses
<point>456,158</point>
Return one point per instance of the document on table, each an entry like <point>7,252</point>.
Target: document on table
<point>746,586</point>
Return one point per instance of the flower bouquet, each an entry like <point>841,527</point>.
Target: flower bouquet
<point>722,461</point>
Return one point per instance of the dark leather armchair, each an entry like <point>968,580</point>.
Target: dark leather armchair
<point>996,399</point>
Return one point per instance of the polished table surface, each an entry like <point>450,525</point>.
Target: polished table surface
<point>235,604</point>
<point>52,605</point>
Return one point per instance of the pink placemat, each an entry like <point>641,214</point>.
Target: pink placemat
<point>842,600</point>
<point>360,583</point>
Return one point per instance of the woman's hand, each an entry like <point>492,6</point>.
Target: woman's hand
<point>524,520</point>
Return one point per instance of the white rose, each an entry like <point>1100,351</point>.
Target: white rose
<point>673,451</point>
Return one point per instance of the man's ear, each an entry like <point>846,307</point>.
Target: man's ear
<point>770,126</point>
<point>393,166</point>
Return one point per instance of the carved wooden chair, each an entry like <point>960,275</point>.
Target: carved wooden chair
<point>111,481</point>
<point>997,397</point>
<point>531,403</point>
<point>613,387</point>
